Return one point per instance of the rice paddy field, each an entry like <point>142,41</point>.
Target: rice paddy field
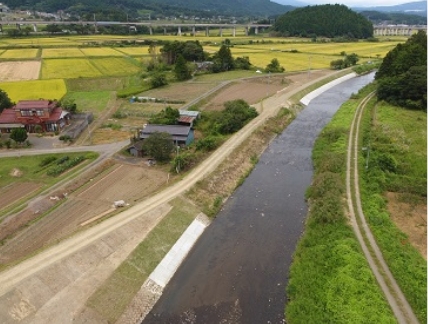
<point>34,89</point>
<point>89,58</point>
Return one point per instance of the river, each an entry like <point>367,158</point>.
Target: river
<point>238,270</point>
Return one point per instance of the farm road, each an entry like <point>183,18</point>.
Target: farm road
<point>11,278</point>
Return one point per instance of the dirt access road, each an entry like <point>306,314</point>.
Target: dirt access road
<point>395,297</point>
<point>11,278</point>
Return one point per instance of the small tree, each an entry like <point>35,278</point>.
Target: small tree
<point>274,66</point>
<point>19,135</point>
<point>181,70</point>
<point>158,80</point>
<point>5,101</point>
<point>159,145</point>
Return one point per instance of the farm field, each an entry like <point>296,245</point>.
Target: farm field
<point>62,52</point>
<point>69,68</point>
<point>128,182</point>
<point>90,101</point>
<point>100,51</point>
<point>20,70</point>
<point>28,53</point>
<point>116,66</point>
<point>35,89</point>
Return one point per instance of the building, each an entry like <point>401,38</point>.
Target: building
<point>35,116</point>
<point>188,117</point>
<point>3,8</point>
<point>181,135</point>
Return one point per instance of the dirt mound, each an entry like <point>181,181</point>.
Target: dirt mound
<point>16,173</point>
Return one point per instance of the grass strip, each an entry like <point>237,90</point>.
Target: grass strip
<point>330,280</point>
<point>112,298</point>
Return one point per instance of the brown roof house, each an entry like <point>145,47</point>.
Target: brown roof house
<point>30,113</point>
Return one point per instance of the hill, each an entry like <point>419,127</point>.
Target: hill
<point>324,20</point>
<point>155,8</point>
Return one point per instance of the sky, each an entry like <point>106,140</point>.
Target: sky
<point>358,3</point>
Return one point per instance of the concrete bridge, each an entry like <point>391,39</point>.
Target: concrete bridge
<point>150,25</point>
<point>378,30</point>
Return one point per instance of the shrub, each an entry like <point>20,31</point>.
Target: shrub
<point>47,160</point>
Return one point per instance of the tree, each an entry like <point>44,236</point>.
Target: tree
<point>158,79</point>
<point>168,116</point>
<point>69,105</point>
<point>19,135</point>
<point>223,60</point>
<point>181,70</point>
<point>235,115</point>
<point>274,66</point>
<point>5,101</point>
<point>159,145</point>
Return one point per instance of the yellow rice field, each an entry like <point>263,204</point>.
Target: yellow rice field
<point>28,53</point>
<point>62,52</point>
<point>115,66</point>
<point>69,69</point>
<point>35,89</point>
<point>100,51</point>
<point>135,51</point>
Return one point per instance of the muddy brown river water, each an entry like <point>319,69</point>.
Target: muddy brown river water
<point>238,270</point>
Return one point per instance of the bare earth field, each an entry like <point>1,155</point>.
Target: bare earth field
<point>16,191</point>
<point>411,219</point>
<point>81,208</point>
<point>21,70</point>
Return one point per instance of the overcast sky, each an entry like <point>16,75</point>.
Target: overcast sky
<point>360,3</point>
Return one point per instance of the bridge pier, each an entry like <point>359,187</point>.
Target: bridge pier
<point>234,31</point>
<point>164,31</point>
<point>221,31</point>
<point>193,31</point>
<point>150,30</point>
<point>18,26</point>
<point>179,31</point>
<point>35,28</point>
<point>1,28</point>
<point>207,32</point>
<point>246,31</point>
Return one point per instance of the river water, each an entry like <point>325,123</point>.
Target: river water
<point>238,270</point>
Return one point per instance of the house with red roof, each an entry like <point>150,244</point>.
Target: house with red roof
<point>30,113</point>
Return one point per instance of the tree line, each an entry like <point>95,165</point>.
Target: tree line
<point>402,76</point>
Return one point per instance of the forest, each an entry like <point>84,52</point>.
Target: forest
<point>324,21</point>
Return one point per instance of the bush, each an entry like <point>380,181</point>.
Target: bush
<point>47,160</point>
<point>208,143</point>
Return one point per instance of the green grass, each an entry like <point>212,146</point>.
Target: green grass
<point>112,298</point>
<point>100,84</point>
<point>91,101</point>
<point>31,169</point>
<point>397,163</point>
<point>330,280</point>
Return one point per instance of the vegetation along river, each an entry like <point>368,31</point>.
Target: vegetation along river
<point>238,270</point>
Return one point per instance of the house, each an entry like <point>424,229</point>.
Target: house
<point>181,135</point>
<point>33,113</point>
<point>188,117</point>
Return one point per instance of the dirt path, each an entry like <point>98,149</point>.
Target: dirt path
<point>396,299</point>
<point>13,278</point>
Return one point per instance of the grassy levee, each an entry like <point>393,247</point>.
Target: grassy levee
<point>330,279</point>
<point>396,162</point>
<point>116,293</point>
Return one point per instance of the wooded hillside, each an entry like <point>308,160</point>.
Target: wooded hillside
<point>325,21</point>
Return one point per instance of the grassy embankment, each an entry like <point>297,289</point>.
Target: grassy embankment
<point>397,163</point>
<point>330,280</point>
<point>112,298</point>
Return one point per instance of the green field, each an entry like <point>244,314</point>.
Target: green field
<point>90,101</point>
<point>35,89</point>
<point>116,66</point>
<point>62,52</point>
<point>69,68</point>
<point>19,54</point>
<point>100,51</point>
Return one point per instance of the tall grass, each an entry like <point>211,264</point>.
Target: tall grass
<point>330,280</point>
<point>396,162</point>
